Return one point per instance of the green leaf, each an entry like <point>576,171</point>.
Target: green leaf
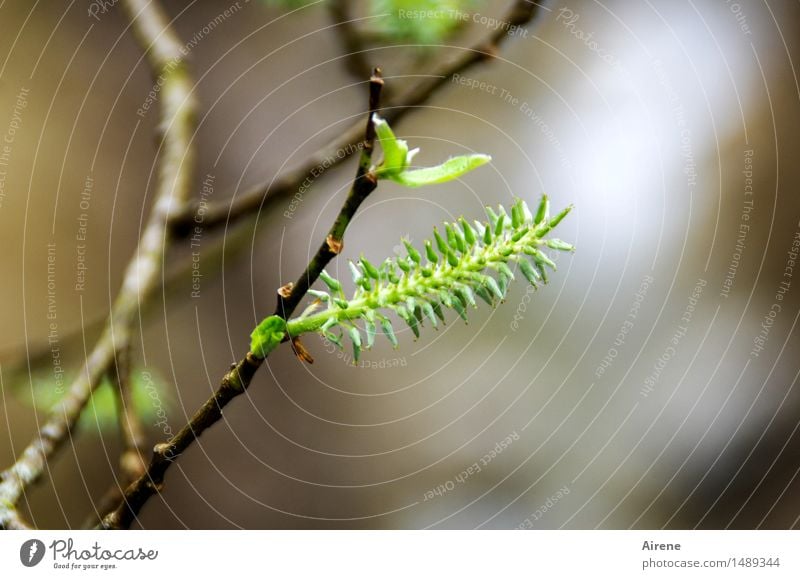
<point>447,171</point>
<point>332,284</point>
<point>410,319</point>
<point>516,215</point>
<point>386,326</point>
<point>466,295</point>
<point>395,151</point>
<point>355,273</point>
<point>440,242</point>
<point>267,336</point>
<point>484,294</point>
<point>560,245</point>
<point>469,232</point>
<point>369,327</point>
<point>369,269</point>
<point>321,296</point>
<point>529,272</point>
<point>543,212</point>
<point>412,252</point>
<point>460,309</point>
<point>437,309</point>
<point>498,229</point>
<point>334,339</point>
<point>557,219</point>
<point>495,288</point>
<point>355,337</point>
<point>430,254</point>
<point>427,309</point>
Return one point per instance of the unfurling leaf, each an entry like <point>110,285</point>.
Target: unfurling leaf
<point>447,171</point>
<point>397,159</point>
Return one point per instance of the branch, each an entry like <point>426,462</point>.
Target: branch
<point>131,463</point>
<point>238,379</point>
<point>175,157</point>
<point>235,382</point>
<point>255,199</point>
<point>355,56</point>
<point>364,183</point>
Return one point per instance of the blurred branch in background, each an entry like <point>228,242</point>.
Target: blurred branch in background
<point>175,158</point>
<point>262,196</point>
<point>131,461</point>
<point>355,51</point>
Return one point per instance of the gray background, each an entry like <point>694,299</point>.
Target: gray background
<point>683,85</point>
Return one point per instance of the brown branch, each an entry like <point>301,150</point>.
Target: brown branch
<point>363,184</point>
<point>131,461</point>
<point>175,158</point>
<point>355,53</point>
<point>235,382</point>
<point>264,195</point>
<point>239,377</point>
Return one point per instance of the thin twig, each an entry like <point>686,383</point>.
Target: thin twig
<point>363,184</point>
<point>131,462</point>
<point>175,158</point>
<point>239,377</point>
<point>234,383</point>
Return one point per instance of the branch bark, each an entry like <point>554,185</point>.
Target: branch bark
<point>363,184</point>
<point>175,158</point>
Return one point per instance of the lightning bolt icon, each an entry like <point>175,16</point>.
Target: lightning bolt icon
<point>32,552</point>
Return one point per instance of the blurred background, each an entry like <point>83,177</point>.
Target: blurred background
<point>652,383</point>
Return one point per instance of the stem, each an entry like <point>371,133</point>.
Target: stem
<point>240,376</point>
<point>151,482</point>
<point>364,183</point>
